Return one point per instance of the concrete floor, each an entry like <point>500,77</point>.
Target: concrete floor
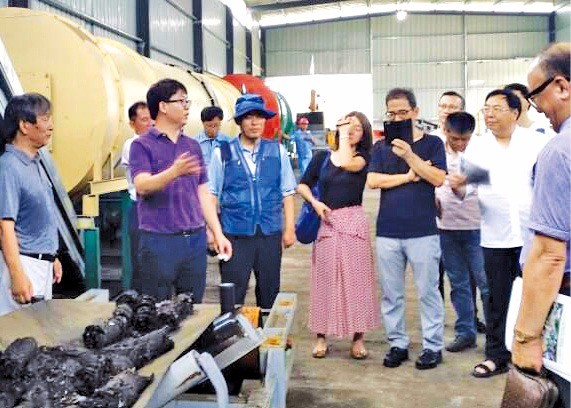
<point>340,382</point>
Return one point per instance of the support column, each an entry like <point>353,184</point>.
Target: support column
<point>230,41</point>
<point>143,27</point>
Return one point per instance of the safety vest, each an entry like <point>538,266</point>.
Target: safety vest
<point>249,200</point>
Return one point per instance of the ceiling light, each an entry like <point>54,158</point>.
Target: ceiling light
<point>401,15</point>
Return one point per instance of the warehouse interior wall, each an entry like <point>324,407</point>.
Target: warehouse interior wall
<point>431,53</point>
<point>563,24</point>
<point>332,96</point>
<point>170,30</point>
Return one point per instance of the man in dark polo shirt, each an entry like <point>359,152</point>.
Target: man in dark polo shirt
<point>28,230</point>
<point>407,175</point>
<point>173,199</point>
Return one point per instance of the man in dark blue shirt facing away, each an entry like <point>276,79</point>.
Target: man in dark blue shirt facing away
<point>407,175</point>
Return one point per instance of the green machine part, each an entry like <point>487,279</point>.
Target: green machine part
<point>286,120</point>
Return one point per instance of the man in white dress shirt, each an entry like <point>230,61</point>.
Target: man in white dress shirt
<point>140,121</point>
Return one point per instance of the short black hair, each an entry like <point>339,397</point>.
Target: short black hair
<point>518,87</point>
<point>211,112</point>
<point>400,93</point>
<point>160,92</point>
<point>511,99</point>
<point>460,123</point>
<point>132,112</point>
<point>27,108</point>
<point>456,94</point>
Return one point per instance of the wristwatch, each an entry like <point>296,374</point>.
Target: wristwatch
<point>523,338</point>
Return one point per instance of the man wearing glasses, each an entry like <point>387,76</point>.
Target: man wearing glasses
<point>173,199</point>
<point>406,230</point>
<point>450,102</point>
<point>509,153</point>
<point>546,266</point>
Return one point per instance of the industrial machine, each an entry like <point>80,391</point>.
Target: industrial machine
<point>92,81</point>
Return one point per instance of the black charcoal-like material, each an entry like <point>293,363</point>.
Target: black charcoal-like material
<point>143,349</point>
<point>128,297</point>
<point>145,315</point>
<point>7,400</point>
<point>113,330</point>
<point>123,390</point>
<point>16,357</point>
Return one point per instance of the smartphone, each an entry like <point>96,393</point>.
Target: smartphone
<point>398,130</point>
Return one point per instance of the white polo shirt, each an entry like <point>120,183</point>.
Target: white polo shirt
<point>125,162</point>
<point>506,201</point>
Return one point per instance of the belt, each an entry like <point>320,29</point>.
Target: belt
<point>189,231</point>
<point>41,257</point>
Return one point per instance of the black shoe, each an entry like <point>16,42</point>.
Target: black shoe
<point>460,343</point>
<point>395,356</point>
<point>480,326</point>
<point>428,359</point>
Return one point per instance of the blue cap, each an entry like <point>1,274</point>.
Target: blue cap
<point>249,103</point>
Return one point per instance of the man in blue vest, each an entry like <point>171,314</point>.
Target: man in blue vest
<point>252,181</point>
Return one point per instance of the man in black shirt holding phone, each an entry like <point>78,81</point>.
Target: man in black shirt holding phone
<point>407,172</point>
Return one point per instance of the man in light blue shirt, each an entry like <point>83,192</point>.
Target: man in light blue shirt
<point>28,229</point>
<point>252,180</point>
<point>303,144</point>
<point>546,267</point>
<point>210,137</point>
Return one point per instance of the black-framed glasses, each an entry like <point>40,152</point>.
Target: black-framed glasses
<point>184,102</point>
<point>400,113</point>
<point>532,94</point>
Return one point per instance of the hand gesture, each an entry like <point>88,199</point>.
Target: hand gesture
<point>223,246</point>
<point>321,209</point>
<point>22,290</point>
<point>186,164</point>
<point>455,180</point>
<point>401,148</point>
<point>288,238</point>
<point>412,177</point>
<point>57,272</point>
<point>529,355</point>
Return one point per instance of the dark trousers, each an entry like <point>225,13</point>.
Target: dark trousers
<point>563,387</point>
<point>502,267</point>
<point>134,237</point>
<point>173,263</point>
<point>261,254</point>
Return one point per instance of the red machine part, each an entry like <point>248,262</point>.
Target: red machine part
<point>255,85</point>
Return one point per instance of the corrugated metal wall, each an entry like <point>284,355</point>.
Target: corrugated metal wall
<point>169,20</point>
<point>563,25</point>
<point>337,48</point>
<point>171,29</point>
<point>239,47</point>
<point>119,14</point>
<point>256,51</point>
<point>433,53</point>
<point>214,36</point>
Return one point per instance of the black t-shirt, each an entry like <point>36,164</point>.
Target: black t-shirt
<point>339,188</point>
<point>408,210</point>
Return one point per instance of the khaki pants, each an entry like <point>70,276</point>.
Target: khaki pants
<point>40,274</point>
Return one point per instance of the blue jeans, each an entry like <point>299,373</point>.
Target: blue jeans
<point>462,256</point>
<point>173,263</point>
<point>423,253</point>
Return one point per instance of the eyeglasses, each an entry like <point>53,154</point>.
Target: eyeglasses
<point>531,95</point>
<point>449,107</point>
<point>400,113</point>
<point>494,109</point>
<point>183,102</point>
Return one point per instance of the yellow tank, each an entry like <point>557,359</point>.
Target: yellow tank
<point>92,81</point>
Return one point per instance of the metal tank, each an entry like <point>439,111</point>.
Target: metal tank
<point>92,81</point>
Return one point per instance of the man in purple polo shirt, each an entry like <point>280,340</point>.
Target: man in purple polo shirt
<point>173,199</point>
